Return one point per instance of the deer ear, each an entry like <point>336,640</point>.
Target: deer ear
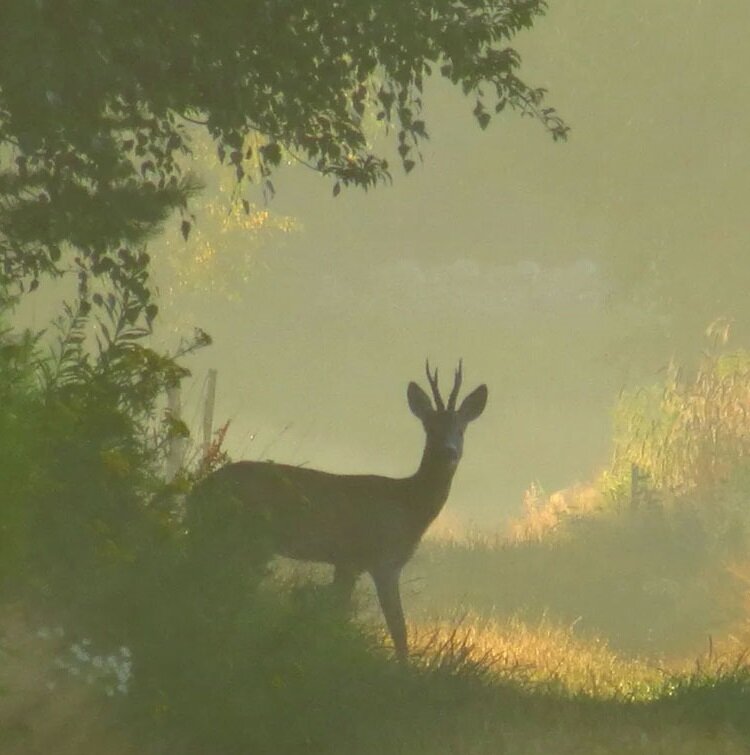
<point>419,401</point>
<point>473,405</point>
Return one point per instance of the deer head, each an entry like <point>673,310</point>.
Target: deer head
<point>445,425</point>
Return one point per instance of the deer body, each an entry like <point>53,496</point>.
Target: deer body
<point>359,523</point>
<point>348,520</point>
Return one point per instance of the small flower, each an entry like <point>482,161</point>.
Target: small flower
<point>80,653</point>
<point>110,674</point>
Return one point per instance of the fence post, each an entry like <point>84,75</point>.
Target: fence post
<point>208,411</point>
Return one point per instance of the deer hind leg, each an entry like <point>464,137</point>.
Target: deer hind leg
<point>344,580</point>
<point>389,596</point>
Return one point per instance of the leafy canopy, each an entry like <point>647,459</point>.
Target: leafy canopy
<point>95,97</point>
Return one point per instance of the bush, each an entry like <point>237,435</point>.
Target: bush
<point>82,448</point>
<point>19,443</point>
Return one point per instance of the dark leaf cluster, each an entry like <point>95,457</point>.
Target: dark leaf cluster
<point>83,440</point>
<point>95,97</point>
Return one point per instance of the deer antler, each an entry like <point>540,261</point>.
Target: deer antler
<point>433,381</point>
<point>456,386</point>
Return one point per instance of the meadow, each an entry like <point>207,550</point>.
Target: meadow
<point>294,678</point>
<point>609,618</point>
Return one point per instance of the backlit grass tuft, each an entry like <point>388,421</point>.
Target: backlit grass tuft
<point>545,656</point>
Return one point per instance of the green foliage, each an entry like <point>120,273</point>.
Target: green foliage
<point>19,405</point>
<point>82,449</point>
<point>281,672</point>
<point>227,660</point>
<point>93,113</point>
<point>230,667</point>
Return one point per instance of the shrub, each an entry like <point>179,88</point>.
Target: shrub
<point>82,450</point>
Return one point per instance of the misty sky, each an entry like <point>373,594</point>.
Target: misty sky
<point>561,273</point>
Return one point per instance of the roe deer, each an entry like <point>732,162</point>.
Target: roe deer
<point>359,523</point>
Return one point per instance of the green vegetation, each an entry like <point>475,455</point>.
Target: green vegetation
<point>123,629</point>
<point>120,633</point>
<point>292,677</point>
<point>95,117</point>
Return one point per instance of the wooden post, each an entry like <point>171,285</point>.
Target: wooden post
<point>208,411</point>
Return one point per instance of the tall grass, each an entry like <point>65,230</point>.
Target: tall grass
<point>692,432</point>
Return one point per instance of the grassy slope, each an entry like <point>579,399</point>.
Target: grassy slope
<point>645,584</point>
<point>480,687</point>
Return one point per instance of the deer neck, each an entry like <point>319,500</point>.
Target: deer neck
<point>431,486</point>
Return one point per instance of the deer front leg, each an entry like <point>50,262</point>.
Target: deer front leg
<point>386,584</point>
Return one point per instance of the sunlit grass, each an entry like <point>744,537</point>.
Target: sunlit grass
<point>546,656</point>
<point>650,582</point>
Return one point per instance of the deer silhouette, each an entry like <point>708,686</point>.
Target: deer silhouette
<point>359,523</point>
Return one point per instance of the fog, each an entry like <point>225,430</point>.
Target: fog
<point>560,273</point>
<point>585,587</point>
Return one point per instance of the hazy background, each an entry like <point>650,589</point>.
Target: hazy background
<point>561,273</point>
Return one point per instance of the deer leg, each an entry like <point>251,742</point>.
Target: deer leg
<point>344,580</point>
<point>386,584</point>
